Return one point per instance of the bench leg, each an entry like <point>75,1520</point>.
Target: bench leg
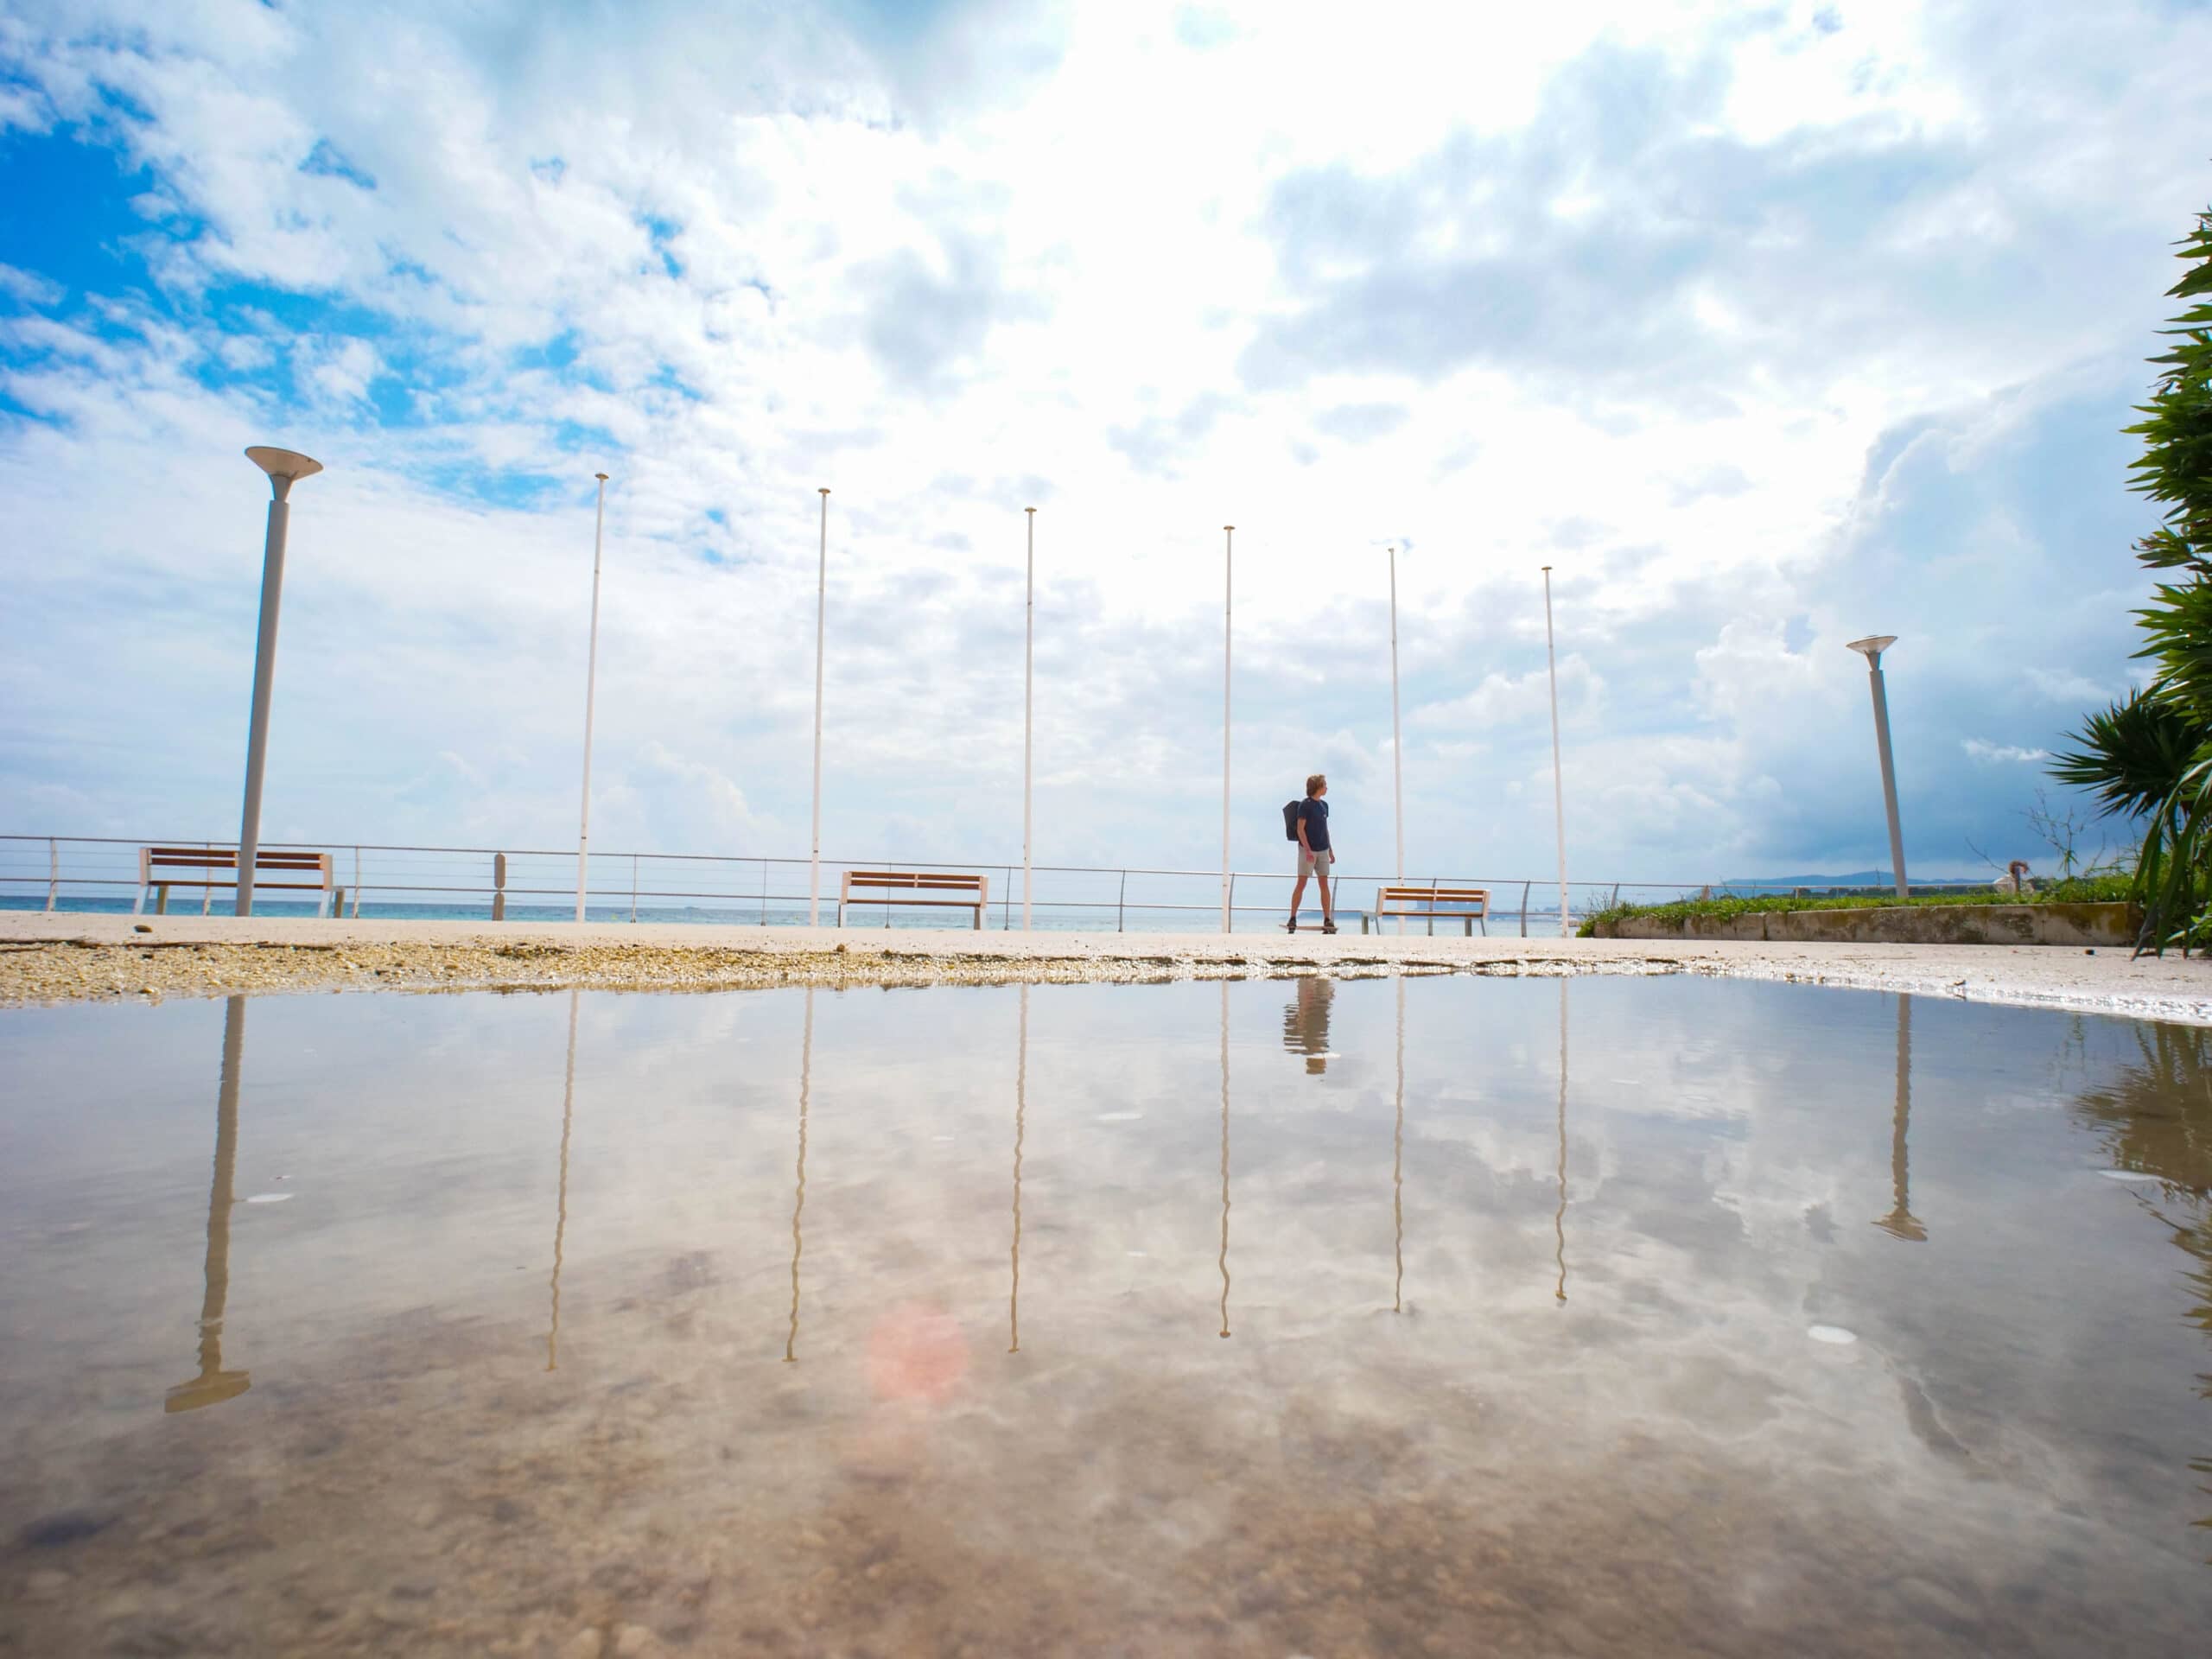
<point>139,907</point>
<point>161,900</point>
<point>979,918</point>
<point>840,912</point>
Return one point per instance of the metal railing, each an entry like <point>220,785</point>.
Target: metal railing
<point>79,872</point>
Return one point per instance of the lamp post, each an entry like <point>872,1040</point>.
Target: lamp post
<point>1028,709</point>
<point>1871,648</point>
<point>591,678</point>
<point>1397,753</point>
<point>1228,594</point>
<point>285,467</point>
<point>1559,798</point>
<point>820,611</point>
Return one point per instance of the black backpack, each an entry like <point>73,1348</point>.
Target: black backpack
<point>1292,811</point>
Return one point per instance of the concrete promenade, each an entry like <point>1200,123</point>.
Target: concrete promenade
<point>67,958</point>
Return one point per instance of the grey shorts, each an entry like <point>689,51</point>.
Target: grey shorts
<point>1314,863</point>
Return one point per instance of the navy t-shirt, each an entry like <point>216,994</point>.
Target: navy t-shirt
<point>1314,813</point>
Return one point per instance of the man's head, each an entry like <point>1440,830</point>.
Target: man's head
<point>1316,786</point>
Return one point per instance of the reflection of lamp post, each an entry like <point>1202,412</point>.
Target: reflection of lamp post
<point>561,1210</point>
<point>1558,1215</point>
<point>1224,1157</point>
<point>214,1385</point>
<point>1020,1118</point>
<point>798,1204</point>
<point>1398,1161</point>
<point>1901,1222</point>
<point>285,467</point>
<point>1871,648</point>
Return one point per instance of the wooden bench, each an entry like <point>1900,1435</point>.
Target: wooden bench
<point>915,887</point>
<point>1467,904</point>
<point>160,868</point>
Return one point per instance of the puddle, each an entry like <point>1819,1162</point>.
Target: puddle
<point>1265,1317</point>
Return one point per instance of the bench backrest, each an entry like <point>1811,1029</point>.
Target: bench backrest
<point>208,860</point>
<point>1428,897</point>
<point>915,881</point>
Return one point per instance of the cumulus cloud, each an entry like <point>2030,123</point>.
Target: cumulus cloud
<point>1767,333</point>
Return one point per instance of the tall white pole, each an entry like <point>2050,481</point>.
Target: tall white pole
<point>821,610</point>
<point>1397,755</point>
<point>591,678</point>
<point>1228,594</point>
<point>1028,707</point>
<point>1559,798</point>
<point>284,468</point>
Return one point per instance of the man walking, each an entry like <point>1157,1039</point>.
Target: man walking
<point>1314,858</point>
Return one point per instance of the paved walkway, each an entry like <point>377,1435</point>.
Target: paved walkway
<point>70,957</point>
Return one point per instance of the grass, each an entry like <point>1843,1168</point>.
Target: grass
<point>2107,888</point>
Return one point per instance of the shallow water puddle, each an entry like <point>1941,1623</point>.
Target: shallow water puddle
<point>1441,1315</point>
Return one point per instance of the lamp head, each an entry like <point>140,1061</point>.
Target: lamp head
<point>284,466</point>
<point>209,1388</point>
<point>1873,646</point>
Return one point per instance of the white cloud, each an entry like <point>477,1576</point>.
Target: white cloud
<point>951,274</point>
<point>1987,753</point>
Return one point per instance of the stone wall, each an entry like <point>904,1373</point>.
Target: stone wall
<point>2051,924</point>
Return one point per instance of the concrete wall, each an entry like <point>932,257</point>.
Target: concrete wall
<point>2074,925</point>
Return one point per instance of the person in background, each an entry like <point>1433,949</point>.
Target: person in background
<point>1314,855</point>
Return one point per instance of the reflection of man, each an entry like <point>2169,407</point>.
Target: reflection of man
<point>1305,1022</point>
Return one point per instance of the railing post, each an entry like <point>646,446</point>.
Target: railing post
<point>499,886</point>
<point>1121,903</point>
<point>1228,909</point>
<point>1525,885</point>
<point>52,871</point>
<point>764,893</point>
<point>1005,903</point>
<point>356,883</point>
<point>633,889</point>
<point>206,894</point>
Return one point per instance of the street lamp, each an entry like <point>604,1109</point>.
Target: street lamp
<point>1228,594</point>
<point>821,613</point>
<point>591,677</point>
<point>1028,706</point>
<point>1871,648</point>
<point>1397,749</point>
<point>284,468</point>
<point>1559,798</point>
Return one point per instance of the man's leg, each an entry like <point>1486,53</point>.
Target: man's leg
<point>1328,905</point>
<point>1297,891</point>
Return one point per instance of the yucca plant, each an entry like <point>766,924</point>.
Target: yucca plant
<point>2151,756</point>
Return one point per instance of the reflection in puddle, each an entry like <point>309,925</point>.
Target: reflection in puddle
<point>1305,1022</point>
<point>1901,1222</point>
<point>1750,1431</point>
<point>214,1385</point>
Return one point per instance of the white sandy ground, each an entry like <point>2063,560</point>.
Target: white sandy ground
<point>66,958</point>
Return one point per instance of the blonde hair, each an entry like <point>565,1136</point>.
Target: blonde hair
<point>1315,785</point>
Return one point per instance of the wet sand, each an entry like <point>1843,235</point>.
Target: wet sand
<point>61,958</point>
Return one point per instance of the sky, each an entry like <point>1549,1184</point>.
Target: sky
<point>1765,327</point>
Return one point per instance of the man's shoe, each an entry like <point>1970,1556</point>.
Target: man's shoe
<point>1328,927</point>
<point>1291,926</point>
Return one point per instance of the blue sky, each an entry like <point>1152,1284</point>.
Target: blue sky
<point>1765,326</point>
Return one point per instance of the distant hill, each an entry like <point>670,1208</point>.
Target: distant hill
<point>1854,879</point>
